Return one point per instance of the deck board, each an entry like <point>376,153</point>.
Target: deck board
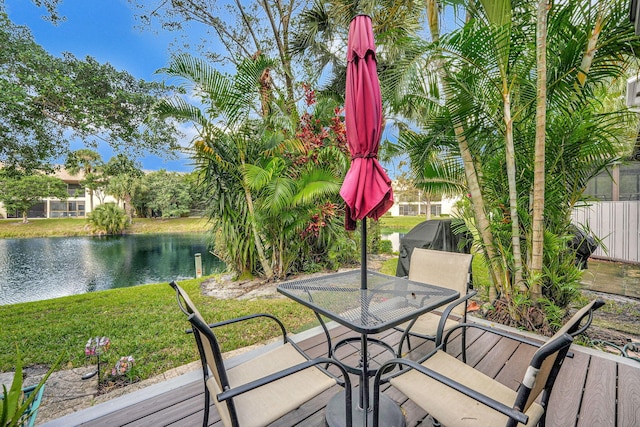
<point>584,395</point>
<point>149,408</point>
<point>599,399</point>
<point>492,366</point>
<point>628,395</point>
<point>172,414</point>
<point>476,348</point>
<point>569,385</point>
<point>515,366</point>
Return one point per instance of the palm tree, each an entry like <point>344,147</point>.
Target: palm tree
<point>229,137</point>
<point>249,155</point>
<point>537,216</point>
<point>498,14</point>
<point>497,107</point>
<point>123,176</point>
<point>90,162</point>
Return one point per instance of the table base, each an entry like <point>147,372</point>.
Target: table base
<point>390,413</point>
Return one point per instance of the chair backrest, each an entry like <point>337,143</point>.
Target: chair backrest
<point>542,371</point>
<point>210,353</point>
<point>440,268</point>
<point>552,354</point>
<point>575,326</point>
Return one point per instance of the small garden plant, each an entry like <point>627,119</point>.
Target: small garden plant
<point>16,406</point>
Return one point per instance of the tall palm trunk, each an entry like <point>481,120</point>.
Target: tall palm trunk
<point>537,232</point>
<point>513,189</point>
<point>266,266</point>
<point>473,183</point>
<point>89,171</point>
<point>90,200</point>
<point>587,58</point>
<point>264,262</point>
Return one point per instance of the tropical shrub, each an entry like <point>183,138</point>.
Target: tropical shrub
<point>108,218</point>
<point>272,175</point>
<point>386,247</point>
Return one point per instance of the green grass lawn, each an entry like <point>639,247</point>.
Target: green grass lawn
<point>11,228</point>
<point>142,321</point>
<point>401,222</point>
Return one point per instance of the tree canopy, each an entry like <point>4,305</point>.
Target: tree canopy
<point>163,194</point>
<point>46,101</point>
<point>23,192</point>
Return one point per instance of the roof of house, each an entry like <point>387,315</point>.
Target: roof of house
<point>67,177</point>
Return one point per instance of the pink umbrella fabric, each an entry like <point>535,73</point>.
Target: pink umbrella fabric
<point>366,188</point>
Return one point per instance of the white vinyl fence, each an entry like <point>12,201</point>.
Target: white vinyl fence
<point>617,224</point>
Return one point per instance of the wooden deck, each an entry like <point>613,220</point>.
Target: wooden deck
<point>593,389</point>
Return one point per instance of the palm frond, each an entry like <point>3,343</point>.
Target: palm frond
<point>320,183</point>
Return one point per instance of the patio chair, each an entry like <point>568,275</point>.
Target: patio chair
<point>440,268</point>
<point>258,391</point>
<point>28,418</point>
<point>456,394</point>
<point>35,404</point>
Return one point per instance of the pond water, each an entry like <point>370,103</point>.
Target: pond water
<point>45,268</point>
<point>394,237</point>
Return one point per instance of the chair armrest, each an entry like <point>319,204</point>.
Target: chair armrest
<point>35,403</point>
<point>485,400</point>
<point>495,331</point>
<point>445,315</point>
<point>447,312</point>
<point>248,317</point>
<point>233,392</point>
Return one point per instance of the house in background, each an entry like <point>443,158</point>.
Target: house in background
<point>76,206</point>
<point>621,183</point>
<point>445,206</point>
<point>409,201</point>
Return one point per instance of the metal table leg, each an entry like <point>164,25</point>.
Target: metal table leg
<point>391,414</point>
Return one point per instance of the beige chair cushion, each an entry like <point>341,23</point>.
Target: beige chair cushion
<point>427,324</point>
<point>446,269</point>
<point>455,409</point>
<point>266,404</point>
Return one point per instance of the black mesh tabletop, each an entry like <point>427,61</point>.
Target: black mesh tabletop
<point>388,301</point>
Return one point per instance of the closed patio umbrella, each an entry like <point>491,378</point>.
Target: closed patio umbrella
<point>366,189</point>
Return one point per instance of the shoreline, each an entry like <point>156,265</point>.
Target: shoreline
<point>72,227</point>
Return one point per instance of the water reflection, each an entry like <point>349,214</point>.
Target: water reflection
<point>44,268</point>
<point>394,238</point>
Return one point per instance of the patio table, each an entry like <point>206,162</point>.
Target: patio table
<point>387,301</point>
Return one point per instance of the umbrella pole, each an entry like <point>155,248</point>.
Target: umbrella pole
<point>363,254</point>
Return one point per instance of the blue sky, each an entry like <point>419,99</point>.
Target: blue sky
<point>105,30</point>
